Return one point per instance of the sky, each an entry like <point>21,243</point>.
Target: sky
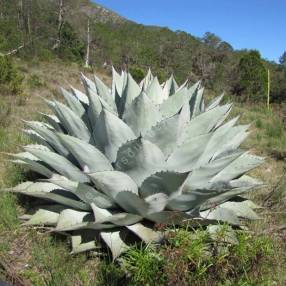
<point>250,24</point>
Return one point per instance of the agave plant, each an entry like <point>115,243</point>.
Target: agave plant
<point>115,162</point>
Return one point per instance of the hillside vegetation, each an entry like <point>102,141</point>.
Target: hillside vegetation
<point>44,30</point>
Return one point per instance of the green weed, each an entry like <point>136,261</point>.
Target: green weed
<point>35,81</point>
<point>143,264</point>
<point>258,123</point>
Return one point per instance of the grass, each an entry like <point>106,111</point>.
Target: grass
<point>142,265</point>
<point>192,259</point>
<point>50,258</point>
<point>32,257</point>
<point>216,263</point>
<point>268,134</point>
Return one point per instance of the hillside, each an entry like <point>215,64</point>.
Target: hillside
<point>44,31</point>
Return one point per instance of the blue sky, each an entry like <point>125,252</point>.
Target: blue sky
<point>251,24</point>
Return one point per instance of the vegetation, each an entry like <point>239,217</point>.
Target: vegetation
<point>26,253</point>
<point>282,59</point>
<point>30,30</point>
<point>71,47</point>
<point>35,30</point>
<point>10,78</point>
<point>252,82</point>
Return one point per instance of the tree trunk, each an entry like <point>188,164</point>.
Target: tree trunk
<point>60,24</point>
<point>28,12</point>
<point>1,9</point>
<point>12,52</point>
<point>87,46</point>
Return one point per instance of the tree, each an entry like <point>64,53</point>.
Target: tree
<point>225,47</point>
<point>71,48</point>
<point>211,40</point>
<point>252,76</point>
<point>282,59</point>
<point>10,78</point>
<point>278,83</point>
<point>60,24</point>
<point>87,45</point>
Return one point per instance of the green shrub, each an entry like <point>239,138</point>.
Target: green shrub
<point>45,54</point>
<point>35,81</point>
<point>258,123</point>
<point>137,73</point>
<point>71,47</point>
<point>10,78</point>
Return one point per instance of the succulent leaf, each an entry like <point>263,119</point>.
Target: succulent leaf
<point>113,182</point>
<point>165,182</point>
<point>145,233</point>
<point>49,136</point>
<point>88,156</point>
<point>130,92</point>
<point>83,241</point>
<point>139,158</point>
<point>46,215</point>
<point>215,102</point>
<point>155,91</point>
<point>114,240</point>
<point>72,122</point>
<point>73,103</point>
<point>48,191</point>
<point>59,163</point>
<point>110,133</point>
<point>142,114</point>
<point>162,134</point>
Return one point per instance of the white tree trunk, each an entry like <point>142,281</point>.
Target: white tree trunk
<point>12,52</point>
<point>60,24</point>
<point>87,45</point>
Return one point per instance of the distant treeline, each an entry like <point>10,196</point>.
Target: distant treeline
<point>59,28</point>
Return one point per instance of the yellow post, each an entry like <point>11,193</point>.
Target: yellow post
<point>268,89</point>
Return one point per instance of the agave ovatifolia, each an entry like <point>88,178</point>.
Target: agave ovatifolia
<point>114,162</point>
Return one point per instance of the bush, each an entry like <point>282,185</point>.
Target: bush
<point>71,48</point>
<point>252,75</point>
<point>45,55</point>
<point>35,81</point>
<point>137,73</point>
<point>10,79</point>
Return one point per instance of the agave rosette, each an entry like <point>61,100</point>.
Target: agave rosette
<point>114,162</point>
